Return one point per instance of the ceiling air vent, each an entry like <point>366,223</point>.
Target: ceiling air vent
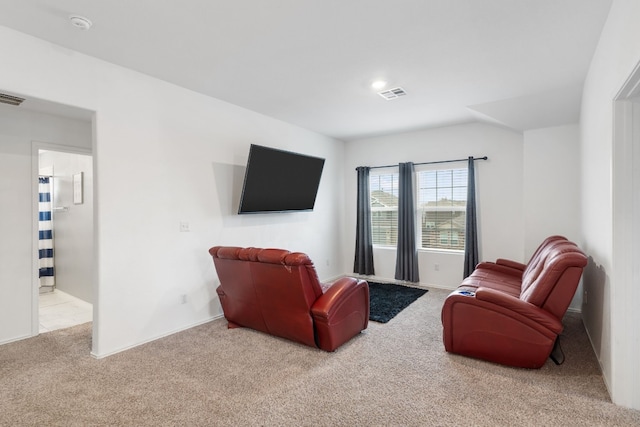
<point>394,93</point>
<point>11,100</point>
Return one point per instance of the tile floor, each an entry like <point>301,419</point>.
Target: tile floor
<point>60,310</point>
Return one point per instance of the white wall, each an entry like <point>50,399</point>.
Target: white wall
<point>18,129</point>
<point>499,184</point>
<point>73,225</point>
<point>551,188</point>
<point>163,155</point>
<point>615,342</point>
<point>551,184</point>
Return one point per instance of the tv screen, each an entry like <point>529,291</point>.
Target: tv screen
<point>279,181</point>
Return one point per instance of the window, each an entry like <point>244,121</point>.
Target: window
<point>442,205</point>
<point>384,208</point>
<point>441,208</point>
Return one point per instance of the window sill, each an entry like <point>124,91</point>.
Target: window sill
<point>426,250</point>
<point>442,251</point>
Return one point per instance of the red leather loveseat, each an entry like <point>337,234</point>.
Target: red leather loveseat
<point>278,292</point>
<point>511,313</point>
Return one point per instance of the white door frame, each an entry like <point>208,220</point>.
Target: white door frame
<point>625,289</point>
<point>36,146</point>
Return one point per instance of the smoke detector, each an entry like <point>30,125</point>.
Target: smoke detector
<point>392,93</point>
<point>80,22</point>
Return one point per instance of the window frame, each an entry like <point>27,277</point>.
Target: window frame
<point>393,172</point>
<point>452,234</point>
<point>461,184</point>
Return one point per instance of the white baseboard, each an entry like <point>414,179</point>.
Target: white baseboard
<point>24,337</point>
<point>333,279</point>
<point>400,282</point>
<point>421,285</point>
<point>102,356</point>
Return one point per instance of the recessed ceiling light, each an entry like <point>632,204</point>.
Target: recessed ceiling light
<point>80,22</point>
<point>378,84</point>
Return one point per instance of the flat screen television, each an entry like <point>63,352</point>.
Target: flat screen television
<point>279,181</point>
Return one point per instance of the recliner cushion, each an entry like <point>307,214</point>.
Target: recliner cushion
<point>541,279</point>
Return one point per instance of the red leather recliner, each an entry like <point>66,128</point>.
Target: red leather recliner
<point>511,313</point>
<point>278,292</point>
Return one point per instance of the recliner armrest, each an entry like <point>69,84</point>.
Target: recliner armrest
<point>341,312</point>
<point>512,264</point>
<point>500,268</point>
<point>336,295</point>
<point>521,307</point>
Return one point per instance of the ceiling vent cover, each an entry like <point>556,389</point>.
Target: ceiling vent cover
<point>11,100</point>
<point>394,93</point>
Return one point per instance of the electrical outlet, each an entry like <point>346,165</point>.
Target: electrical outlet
<point>185,226</point>
<point>436,267</point>
<point>183,299</point>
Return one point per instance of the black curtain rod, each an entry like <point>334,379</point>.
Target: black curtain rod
<point>432,163</point>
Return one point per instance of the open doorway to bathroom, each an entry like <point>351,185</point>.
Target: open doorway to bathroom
<point>32,125</point>
<point>65,238</point>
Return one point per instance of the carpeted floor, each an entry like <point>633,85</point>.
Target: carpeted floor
<point>396,374</point>
<point>388,299</point>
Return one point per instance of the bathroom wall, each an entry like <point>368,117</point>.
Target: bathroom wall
<point>72,222</point>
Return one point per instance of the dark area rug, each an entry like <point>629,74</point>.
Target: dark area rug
<point>387,300</point>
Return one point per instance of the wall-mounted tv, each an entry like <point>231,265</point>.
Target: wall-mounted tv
<point>279,181</point>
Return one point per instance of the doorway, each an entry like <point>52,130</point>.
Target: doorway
<point>65,237</point>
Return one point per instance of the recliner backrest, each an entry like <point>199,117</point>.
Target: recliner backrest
<point>551,278</point>
<point>287,278</point>
<point>545,243</point>
<point>537,262</point>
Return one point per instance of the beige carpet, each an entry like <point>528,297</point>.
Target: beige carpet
<point>394,374</point>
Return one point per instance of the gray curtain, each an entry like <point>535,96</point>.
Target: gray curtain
<point>471,225</point>
<point>363,263</point>
<point>407,253</point>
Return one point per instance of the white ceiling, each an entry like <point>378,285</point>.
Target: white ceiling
<point>517,63</point>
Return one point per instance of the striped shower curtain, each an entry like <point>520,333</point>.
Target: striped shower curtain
<point>45,234</point>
